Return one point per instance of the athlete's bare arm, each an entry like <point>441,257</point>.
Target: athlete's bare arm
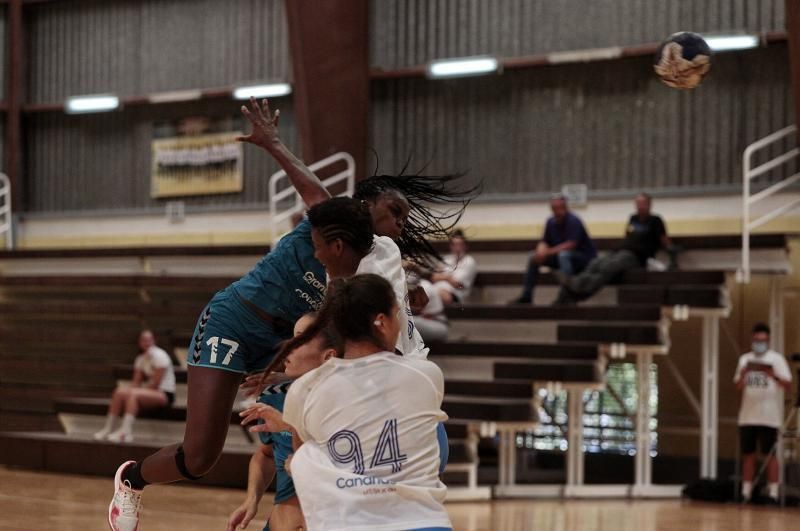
<point>259,476</point>
<point>265,135</point>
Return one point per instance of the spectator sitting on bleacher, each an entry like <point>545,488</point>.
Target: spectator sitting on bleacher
<point>454,280</point>
<point>565,246</point>
<point>431,320</point>
<point>645,234</point>
<point>153,387</point>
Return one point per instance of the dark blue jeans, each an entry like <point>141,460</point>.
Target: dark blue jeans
<point>568,262</point>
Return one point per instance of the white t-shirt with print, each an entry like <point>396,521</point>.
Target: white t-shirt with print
<point>157,358</point>
<point>463,270</point>
<point>370,457</point>
<point>762,398</point>
<point>386,261</point>
<point>435,306</point>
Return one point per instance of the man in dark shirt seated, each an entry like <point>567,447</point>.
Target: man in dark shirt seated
<point>565,245</point>
<point>644,236</point>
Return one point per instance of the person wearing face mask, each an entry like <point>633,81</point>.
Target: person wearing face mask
<point>762,376</point>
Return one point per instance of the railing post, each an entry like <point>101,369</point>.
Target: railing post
<point>745,270</point>
<point>710,397</point>
<point>275,196</point>
<point>748,174</point>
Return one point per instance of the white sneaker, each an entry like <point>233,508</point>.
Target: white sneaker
<point>120,436</point>
<point>123,512</point>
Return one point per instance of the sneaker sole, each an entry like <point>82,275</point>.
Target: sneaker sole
<point>117,483</point>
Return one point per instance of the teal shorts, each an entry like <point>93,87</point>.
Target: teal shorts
<point>230,336</point>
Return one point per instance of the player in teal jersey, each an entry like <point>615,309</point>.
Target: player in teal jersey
<point>240,328</point>
<point>239,332</point>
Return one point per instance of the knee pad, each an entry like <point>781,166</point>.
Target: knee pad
<point>180,462</point>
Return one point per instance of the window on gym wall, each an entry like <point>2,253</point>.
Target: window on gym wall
<point>608,420</point>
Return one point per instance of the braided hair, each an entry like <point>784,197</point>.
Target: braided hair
<point>429,198</point>
<point>346,219</point>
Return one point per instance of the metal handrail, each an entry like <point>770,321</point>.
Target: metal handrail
<point>279,217</point>
<point>5,211</point>
<point>749,222</point>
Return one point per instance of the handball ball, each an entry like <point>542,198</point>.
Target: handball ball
<point>683,60</point>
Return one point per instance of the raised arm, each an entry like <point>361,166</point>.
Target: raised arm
<point>265,135</point>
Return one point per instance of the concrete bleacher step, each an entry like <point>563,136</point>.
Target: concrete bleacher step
<point>483,369</point>
<point>24,420</point>
<point>538,331</point>
<point>636,277</point>
<point>706,252</point>
<point>469,363</point>
<point>251,252</point>
<point>688,243</point>
<point>526,350</point>
<point>79,454</point>
<point>82,417</point>
<point>42,369</point>
<point>68,335</point>
<point>76,454</point>
<point>572,373</point>
<point>210,283</point>
<point>694,296</point>
<point>40,397</point>
<point>632,334</point>
<point>701,295</point>
<point>86,416</point>
<point>39,310</point>
<point>554,313</point>
<point>455,387</point>
<point>487,389</point>
<point>489,409</point>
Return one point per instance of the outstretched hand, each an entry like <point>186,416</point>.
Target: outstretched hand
<point>264,124</point>
<point>273,419</point>
<point>254,384</point>
<point>240,518</point>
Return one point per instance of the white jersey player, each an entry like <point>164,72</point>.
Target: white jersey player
<point>385,260</point>
<point>368,455</point>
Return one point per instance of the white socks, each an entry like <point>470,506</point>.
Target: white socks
<point>108,428</point>
<point>747,489</point>
<point>125,432</point>
<point>127,423</point>
<point>773,491</point>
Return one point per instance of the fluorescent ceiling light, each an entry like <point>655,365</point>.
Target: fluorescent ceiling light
<point>465,66</point>
<point>96,103</point>
<point>585,56</point>
<point>262,91</point>
<point>723,43</point>
<point>175,96</point>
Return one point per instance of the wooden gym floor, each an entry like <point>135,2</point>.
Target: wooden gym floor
<point>32,500</point>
